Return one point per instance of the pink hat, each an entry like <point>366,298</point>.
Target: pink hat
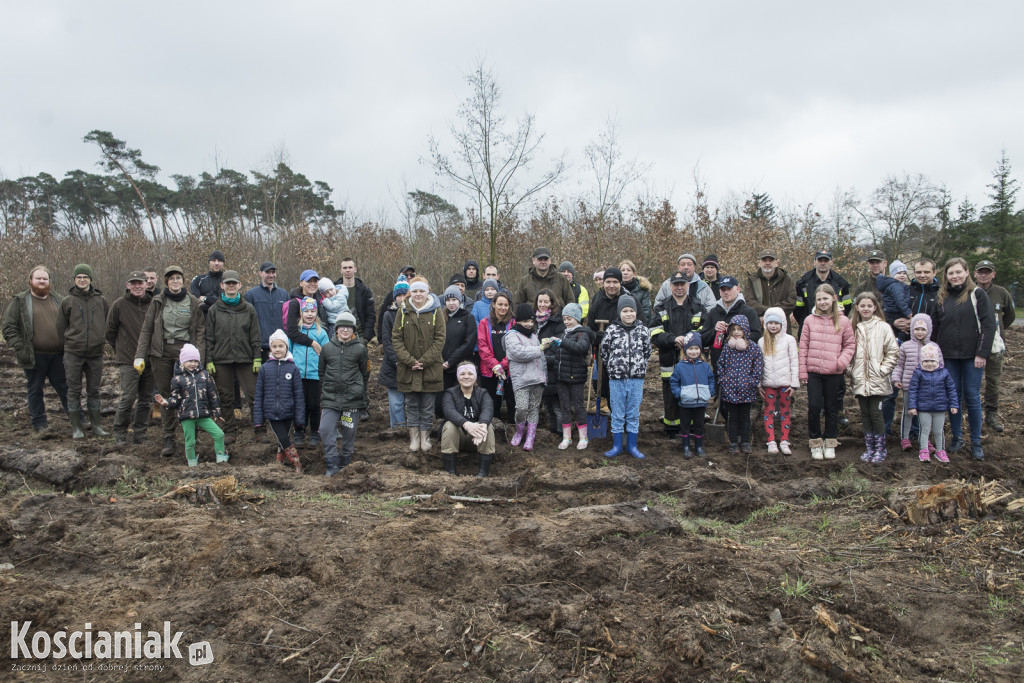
<point>188,352</point>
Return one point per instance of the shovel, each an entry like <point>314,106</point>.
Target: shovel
<point>713,432</point>
<point>597,424</point>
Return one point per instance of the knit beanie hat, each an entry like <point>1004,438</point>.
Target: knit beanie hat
<point>775,315</point>
<point>613,272</point>
<point>280,336</point>
<point>710,260</point>
<point>567,266</point>
<point>599,275</point>
<point>490,282</point>
<point>83,269</point>
<point>346,319</point>
<point>574,311</point>
<point>188,352</point>
<point>457,277</point>
<point>401,285</point>
<point>930,351</point>
<point>689,256</point>
<point>324,284</point>
<point>897,266</point>
<point>692,339</point>
<point>524,312</point>
<point>626,301</point>
<point>308,304</point>
<point>452,292</point>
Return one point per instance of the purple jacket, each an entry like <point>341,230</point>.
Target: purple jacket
<point>909,358</point>
<point>932,392</point>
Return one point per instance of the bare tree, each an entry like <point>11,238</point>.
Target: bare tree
<point>897,210</point>
<point>611,175</point>
<point>490,155</point>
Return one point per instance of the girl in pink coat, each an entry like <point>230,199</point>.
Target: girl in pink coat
<point>827,344</point>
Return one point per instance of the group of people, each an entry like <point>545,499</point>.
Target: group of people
<point>300,356</point>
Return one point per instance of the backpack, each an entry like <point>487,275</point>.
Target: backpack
<point>284,311</point>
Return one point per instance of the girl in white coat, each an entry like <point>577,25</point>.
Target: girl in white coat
<point>780,378</point>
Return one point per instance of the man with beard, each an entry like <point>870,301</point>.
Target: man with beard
<point>542,276</point>
<point>770,285</point>
<point>124,325</point>
<point>605,306</point>
<point>30,328</point>
<point>206,287</point>
<point>473,282</point>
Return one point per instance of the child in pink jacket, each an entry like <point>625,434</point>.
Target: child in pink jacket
<point>780,377</point>
<point>827,344</point>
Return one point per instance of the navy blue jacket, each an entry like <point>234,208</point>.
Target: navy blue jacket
<point>267,303</point>
<point>279,393</point>
<point>932,392</point>
<point>895,298</point>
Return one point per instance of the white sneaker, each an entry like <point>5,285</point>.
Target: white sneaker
<point>784,447</point>
<point>773,447</point>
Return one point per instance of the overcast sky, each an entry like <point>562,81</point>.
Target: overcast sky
<point>789,98</point>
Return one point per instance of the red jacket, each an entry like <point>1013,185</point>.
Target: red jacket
<point>823,350</point>
<point>487,356</point>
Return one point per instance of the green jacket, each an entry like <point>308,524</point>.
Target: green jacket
<point>151,338</point>
<point>124,323</point>
<point>419,336</point>
<point>82,322</point>
<point>18,330</point>
<point>532,283</point>
<point>344,374</point>
<point>232,333</point>
<point>1002,307</point>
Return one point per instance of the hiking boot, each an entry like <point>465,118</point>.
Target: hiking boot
<point>784,447</point>
<point>976,451</point>
<point>956,445</point>
<point>992,420</point>
<point>139,437</point>
<point>168,449</point>
<point>734,449</point>
<point>745,448</point>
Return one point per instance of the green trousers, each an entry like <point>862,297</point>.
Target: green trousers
<point>208,426</point>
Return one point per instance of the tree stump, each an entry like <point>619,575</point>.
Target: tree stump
<point>945,502</point>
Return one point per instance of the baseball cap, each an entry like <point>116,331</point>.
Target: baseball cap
<point>308,275</point>
<point>136,276</point>
<point>875,255</point>
<point>823,254</point>
<point>985,265</point>
<point>679,278</point>
<point>267,265</point>
<point>541,252</point>
<point>728,281</point>
<point>231,276</point>
<point>768,253</point>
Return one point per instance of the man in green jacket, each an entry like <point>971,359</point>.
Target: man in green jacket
<point>82,322</point>
<point>1002,307</point>
<point>30,328</point>
<point>233,349</point>
<point>543,276</point>
<point>124,325</point>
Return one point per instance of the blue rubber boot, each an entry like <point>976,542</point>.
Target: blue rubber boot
<point>631,447</point>
<point>616,445</point>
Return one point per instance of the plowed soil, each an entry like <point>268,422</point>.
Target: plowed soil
<point>738,568</point>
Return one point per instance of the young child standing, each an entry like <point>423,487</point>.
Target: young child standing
<point>780,378</point>
<point>343,375</point>
<point>931,393</point>
<point>194,395</point>
<point>826,348</point>
<point>626,350</point>
<point>307,360</point>
<point>571,352</point>
<point>908,360</point>
<point>692,384</point>
<point>280,399</point>
<point>873,361</point>
<point>334,301</point>
<point>739,373</point>
<point>528,370</point>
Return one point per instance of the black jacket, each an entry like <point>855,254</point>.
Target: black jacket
<point>459,340</point>
<point>719,314</point>
<point>570,357</point>
<point>603,308</point>
<point>923,298</point>
<point>955,327</point>
<point>293,317</point>
<point>809,282</point>
<point>552,327</point>
<point>452,402</point>
<point>670,321</point>
<point>388,375</point>
<point>360,302</point>
<point>207,285</point>
<point>472,285</point>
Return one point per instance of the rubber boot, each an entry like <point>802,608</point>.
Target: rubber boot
<point>869,448</point>
<point>881,451</point>
<point>293,459</point>
<point>333,466</point>
<point>223,457</point>
<point>120,435</point>
<point>94,420</point>
<point>616,445</point>
<point>281,458</point>
<point>531,436</point>
<point>517,438</point>
<point>584,441</point>
<point>448,462</point>
<point>425,444</point>
<point>414,438</point>
<point>485,465</point>
<point>992,420</point>
<point>566,437</point>
<point>76,424</point>
<point>687,453</point>
<point>631,446</point>
<point>168,449</point>
<point>698,446</point>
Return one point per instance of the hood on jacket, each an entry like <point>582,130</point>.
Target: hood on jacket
<point>92,291</point>
<point>743,323</point>
<point>475,265</point>
<point>776,311</point>
<point>882,282</point>
<point>927,320</point>
<point>432,305</point>
<point>637,281</point>
<point>739,298</point>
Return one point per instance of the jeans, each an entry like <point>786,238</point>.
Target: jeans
<point>396,408</point>
<point>625,398</point>
<point>49,366</point>
<point>967,380</point>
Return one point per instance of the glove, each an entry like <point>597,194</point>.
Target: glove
<point>210,368</point>
<point>557,341</point>
<point>256,365</point>
<point>139,365</point>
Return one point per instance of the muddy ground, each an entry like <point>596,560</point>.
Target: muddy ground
<point>746,568</point>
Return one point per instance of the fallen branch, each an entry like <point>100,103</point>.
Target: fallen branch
<point>460,499</point>
<point>296,654</point>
